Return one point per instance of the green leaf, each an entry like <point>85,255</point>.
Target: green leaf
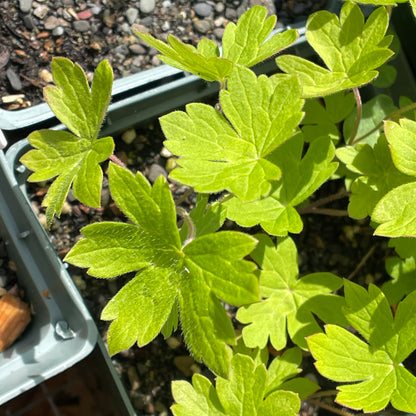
<point>207,218</point>
<point>71,160</point>
<point>402,139</point>
<point>377,175</point>
<point>244,44</point>
<point>287,301</point>
<point>282,374</point>
<point>301,177</point>
<point>216,155</point>
<point>396,212</point>
<point>351,49</point>
<point>374,112</point>
<point>247,42</point>
<point>373,370</point>
<point>413,4</point>
<point>322,120</point>
<point>167,273</point>
<point>199,61</point>
<point>403,273</point>
<point>82,110</point>
<point>242,394</point>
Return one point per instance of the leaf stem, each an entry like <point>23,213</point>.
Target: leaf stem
<point>330,408</point>
<point>185,195</point>
<point>191,226</point>
<point>313,208</point>
<point>324,393</point>
<point>361,263</point>
<point>391,115</point>
<point>359,102</point>
<point>117,161</point>
<point>326,211</point>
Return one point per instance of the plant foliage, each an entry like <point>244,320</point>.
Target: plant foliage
<point>256,159</point>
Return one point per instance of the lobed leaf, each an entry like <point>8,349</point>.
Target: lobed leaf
<point>72,161</point>
<point>351,49</point>
<point>201,61</point>
<point>396,212</point>
<point>301,177</point>
<point>244,44</point>
<point>216,155</point>
<point>82,110</point>
<point>402,137</point>
<point>72,158</point>
<point>247,42</point>
<point>374,175</point>
<point>243,393</point>
<point>167,273</point>
<point>374,369</point>
<point>288,301</point>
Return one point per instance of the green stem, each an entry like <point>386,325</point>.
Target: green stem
<point>191,226</point>
<point>392,115</point>
<point>359,102</point>
<point>330,408</point>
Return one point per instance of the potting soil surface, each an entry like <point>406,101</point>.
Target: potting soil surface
<point>32,32</point>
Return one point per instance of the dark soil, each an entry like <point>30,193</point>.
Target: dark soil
<point>29,40</point>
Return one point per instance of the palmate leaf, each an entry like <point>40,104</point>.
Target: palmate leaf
<point>377,175</point>
<point>243,44</point>
<point>402,270</point>
<point>322,120</point>
<point>396,212</point>
<point>242,394</point>
<point>351,49</point>
<point>72,158</point>
<point>192,278</point>
<point>216,155</point>
<point>301,177</point>
<point>373,370</point>
<point>288,302</point>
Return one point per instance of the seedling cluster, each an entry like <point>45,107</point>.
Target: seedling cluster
<point>265,149</point>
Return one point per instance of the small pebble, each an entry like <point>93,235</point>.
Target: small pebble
<point>132,14</point>
<point>41,11</point>
<point>173,342</point>
<point>14,79</point>
<point>128,136</point>
<point>147,6</point>
<point>202,9</point>
<point>81,26</point>
<point>183,363</point>
<point>133,378</point>
<point>25,6</point>
<point>79,282</point>
<point>202,26</point>
<point>155,171</point>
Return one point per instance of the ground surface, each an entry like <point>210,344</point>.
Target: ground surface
<point>34,31</point>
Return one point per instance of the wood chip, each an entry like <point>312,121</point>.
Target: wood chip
<point>14,317</point>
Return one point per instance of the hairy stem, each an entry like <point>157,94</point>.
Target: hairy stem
<point>313,208</point>
<point>330,408</point>
<point>325,393</point>
<point>357,97</point>
<point>392,115</point>
<point>117,161</point>
<point>191,226</point>
<point>361,263</point>
<point>325,211</point>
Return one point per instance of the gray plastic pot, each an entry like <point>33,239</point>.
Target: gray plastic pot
<point>62,332</point>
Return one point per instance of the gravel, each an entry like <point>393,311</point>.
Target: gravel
<point>32,32</point>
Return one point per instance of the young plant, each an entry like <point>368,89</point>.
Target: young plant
<point>267,146</point>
